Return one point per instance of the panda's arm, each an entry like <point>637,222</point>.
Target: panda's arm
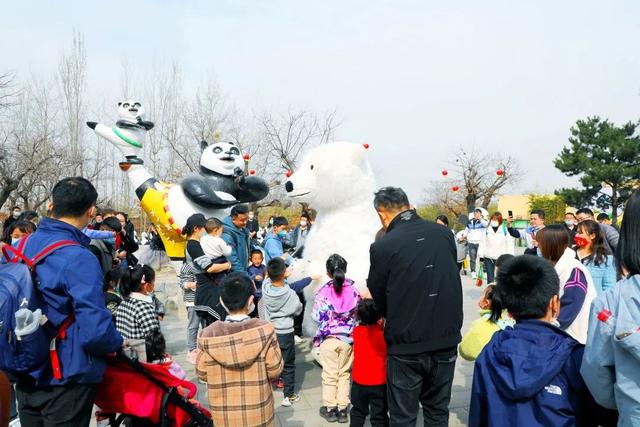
<point>145,124</point>
<point>251,189</point>
<point>126,124</point>
<point>200,191</point>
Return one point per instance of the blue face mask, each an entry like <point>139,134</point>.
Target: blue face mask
<point>111,241</point>
<point>538,252</point>
<point>204,233</point>
<point>282,234</point>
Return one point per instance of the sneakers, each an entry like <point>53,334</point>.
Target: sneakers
<point>290,400</point>
<point>279,383</point>
<point>329,414</point>
<point>474,275</point>
<point>191,356</point>
<point>298,339</point>
<point>343,417</point>
<point>15,422</point>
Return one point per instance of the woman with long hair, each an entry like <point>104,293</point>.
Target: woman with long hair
<point>593,253</point>
<point>495,242</point>
<point>612,355</point>
<point>576,286</point>
<point>208,274</point>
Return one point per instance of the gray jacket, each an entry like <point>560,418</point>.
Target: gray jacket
<point>281,305</point>
<point>611,237</point>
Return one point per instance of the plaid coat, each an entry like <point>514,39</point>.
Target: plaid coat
<point>238,361</point>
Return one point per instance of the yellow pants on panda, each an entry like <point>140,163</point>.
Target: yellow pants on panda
<point>154,203</point>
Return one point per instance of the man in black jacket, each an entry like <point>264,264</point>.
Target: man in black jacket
<point>415,283</point>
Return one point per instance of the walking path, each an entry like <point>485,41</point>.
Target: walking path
<point>305,412</point>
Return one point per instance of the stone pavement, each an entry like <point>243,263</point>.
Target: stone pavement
<point>308,381</point>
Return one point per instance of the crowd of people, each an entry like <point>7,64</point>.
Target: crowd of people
<point>556,343</point>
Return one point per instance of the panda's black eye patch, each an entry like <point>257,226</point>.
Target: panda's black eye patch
<point>137,104</point>
<point>217,150</point>
<point>311,167</point>
<point>125,105</point>
<point>234,151</point>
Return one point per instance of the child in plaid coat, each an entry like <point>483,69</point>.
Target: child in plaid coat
<point>136,316</point>
<point>239,356</point>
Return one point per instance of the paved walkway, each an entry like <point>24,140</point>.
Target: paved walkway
<point>305,412</point>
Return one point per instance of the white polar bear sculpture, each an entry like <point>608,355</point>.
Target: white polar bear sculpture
<point>337,181</point>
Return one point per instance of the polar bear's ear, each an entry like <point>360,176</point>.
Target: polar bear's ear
<point>203,145</point>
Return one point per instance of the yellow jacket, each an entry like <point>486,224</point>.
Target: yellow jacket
<point>480,334</point>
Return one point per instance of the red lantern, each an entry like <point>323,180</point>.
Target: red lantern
<point>252,172</point>
<point>499,172</point>
<point>246,157</point>
<point>289,173</point>
<point>366,146</point>
<point>445,172</point>
<point>455,188</point>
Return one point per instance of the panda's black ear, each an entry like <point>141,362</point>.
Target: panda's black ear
<point>119,104</point>
<point>203,145</point>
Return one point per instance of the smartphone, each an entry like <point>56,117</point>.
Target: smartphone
<point>510,214</point>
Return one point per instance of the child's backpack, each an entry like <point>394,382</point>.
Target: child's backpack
<point>25,346</point>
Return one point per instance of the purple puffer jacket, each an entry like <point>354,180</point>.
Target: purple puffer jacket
<point>335,313</point>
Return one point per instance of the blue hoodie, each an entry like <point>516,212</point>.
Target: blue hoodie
<point>611,364</point>
<point>273,248</point>
<point>71,279</point>
<point>238,239</point>
<point>528,375</point>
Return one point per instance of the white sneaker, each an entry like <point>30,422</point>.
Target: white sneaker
<point>473,275</point>
<point>15,423</point>
<point>299,340</point>
<point>191,356</point>
<point>290,400</point>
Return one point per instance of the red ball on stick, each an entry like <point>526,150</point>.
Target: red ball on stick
<point>455,188</point>
<point>445,172</point>
<point>499,172</point>
<point>246,157</point>
<point>289,173</point>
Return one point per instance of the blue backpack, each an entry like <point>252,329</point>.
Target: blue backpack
<point>31,346</point>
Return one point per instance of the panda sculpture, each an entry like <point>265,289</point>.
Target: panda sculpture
<point>221,182</point>
<point>219,185</point>
<point>129,132</point>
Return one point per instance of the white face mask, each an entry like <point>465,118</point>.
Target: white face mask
<point>252,307</point>
<point>14,240</point>
<point>303,224</point>
<point>495,223</point>
<point>16,214</point>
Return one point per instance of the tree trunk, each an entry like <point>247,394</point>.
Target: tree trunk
<point>6,191</point>
<point>471,202</point>
<point>614,204</point>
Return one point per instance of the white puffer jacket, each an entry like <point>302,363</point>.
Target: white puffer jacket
<point>496,243</point>
<point>564,267</point>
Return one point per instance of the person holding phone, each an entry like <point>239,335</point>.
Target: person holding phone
<point>496,241</point>
<point>529,234</point>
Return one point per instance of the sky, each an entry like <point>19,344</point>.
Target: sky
<point>415,80</point>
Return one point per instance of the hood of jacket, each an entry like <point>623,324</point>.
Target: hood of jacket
<point>276,297</point>
<point>524,359</point>
<point>342,303</point>
<point>230,227</point>
<point>238,344</point>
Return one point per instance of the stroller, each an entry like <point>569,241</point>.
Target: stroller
<point>139,394</point>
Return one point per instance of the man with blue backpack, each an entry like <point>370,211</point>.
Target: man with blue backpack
<point>57,329</point>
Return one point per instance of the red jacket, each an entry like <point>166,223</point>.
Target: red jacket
<point>369,355</point>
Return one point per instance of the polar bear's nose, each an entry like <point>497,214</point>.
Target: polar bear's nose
<point>288,186</point>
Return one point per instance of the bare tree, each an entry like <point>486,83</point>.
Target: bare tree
<point>8,92</point>
<point>72,74</point>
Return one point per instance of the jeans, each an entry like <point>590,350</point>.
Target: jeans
<point>69,405</point>
<point>364,397</point>
<point>424,378</point>
<point>336,358</point>
<point>297,321</point>
<point>489,269</point>
<point>193,324</point>
<point>473,255</point>
<point>288,350</point>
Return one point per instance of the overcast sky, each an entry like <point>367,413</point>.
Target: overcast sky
<point>414,79</point>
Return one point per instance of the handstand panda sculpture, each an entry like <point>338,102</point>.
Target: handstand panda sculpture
<point>219,185</point>
<point>129,132</point>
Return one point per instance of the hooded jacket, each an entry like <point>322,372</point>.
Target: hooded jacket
<point>529,375</point>
<point>415,283</point>
<point>273,248</point>
<point>281,305</point>
<point>238,239</point>
<point>612,357</point>
<point>494,243</point>
<point>71,281</point>
<point>335,313</point>
<point>238,361</point>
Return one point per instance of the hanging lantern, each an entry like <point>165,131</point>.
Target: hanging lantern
<point>289,173</point>
<point>366,146</point>
<point>445,172</point>
<point>500,172</point>
<point>455,188</point>
<point>246,157</point>
<point>252,172</point>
